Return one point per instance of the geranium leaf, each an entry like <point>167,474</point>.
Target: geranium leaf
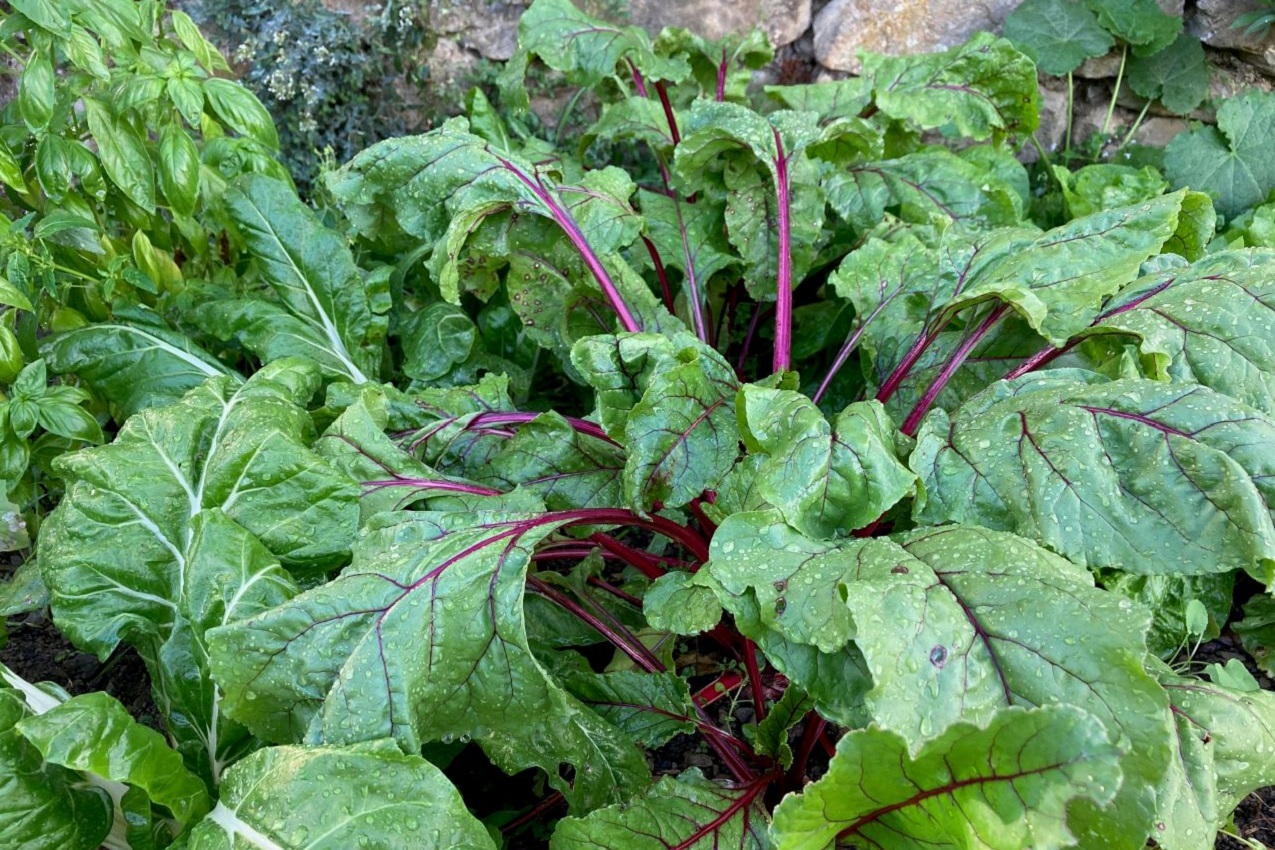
<point>1142,23</point>
<point>1228,161</point>
<point>1058,34</point>
<point>1177,76</point>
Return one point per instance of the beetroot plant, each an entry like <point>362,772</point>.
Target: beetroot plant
<point>781,426</point>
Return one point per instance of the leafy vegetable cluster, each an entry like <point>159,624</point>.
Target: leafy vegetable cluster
<point>785,400</point>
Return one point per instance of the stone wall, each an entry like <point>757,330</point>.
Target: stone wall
<point>837,29</point>
<point>821,39</point>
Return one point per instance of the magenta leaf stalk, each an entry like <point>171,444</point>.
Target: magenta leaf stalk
<point>721,77</point>
<point>564,219</point>
<point>958,357</point>
<point>783,284</point>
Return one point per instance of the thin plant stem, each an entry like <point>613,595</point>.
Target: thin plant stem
<point>566,112</point>
<point>852,342</point>
<point>1071,110</point>
<point>1115,91</point>
<point>1136,125</point>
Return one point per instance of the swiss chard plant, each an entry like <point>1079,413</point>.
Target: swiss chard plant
<point>768,425</point>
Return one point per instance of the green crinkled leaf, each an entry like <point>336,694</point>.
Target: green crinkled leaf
<point>1142,23</point>
<point>682,436</point>
<point>744,53</point>
<point>771,736</point>
<point>1167,597</point>
<point>727,145</point>
<point>1257,631</point>
<point>1224,741</point>
<point>179,526</point>
<point>437,424</point>
<point>676,602</point>
<point>837,681</point>
<point>827,479</point>
<point>24,591</point>
<point>933,186</point>
<point>830,100</point>
<point>357,445</point>
<point>982,89</point>
<point>895,287</point>
<point>564,467</point>
<point>335,798</point>
<point>1005,786</point>
<point>793,579</point>
<point>136,362</point>
<point>1132,474</point>
<point>94,735</point>
<point>634,119</point>
<point>1230,162</point>
<point>1105,186</point>
<point>651,708</point>
<point>312,273</point>
<point>43,806</point>
<point>620,367</point>
<point>1177,76</point>
<point>1212,323</point>
<point>412,187</point>
<point>982,631</point>
<point>689,237</point>
<point>436,339</point>
<point>1058,34</point>
<point>421,639</point>
<point>442,186</point>
<point>687,812</point>
<point>980,599</point>
<point>586,49</point>
<point>1057,281</point>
